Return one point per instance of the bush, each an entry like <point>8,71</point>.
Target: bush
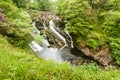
<point>115,47</point>
<point>7,7</point>
<point>17,25</point>
<point>20,3</point>
<point>92,43</point>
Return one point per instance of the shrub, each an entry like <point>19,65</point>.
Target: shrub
<point>20,3</point>
<point>115,47</point>
<point>7,7</point>
<point>92,43</point>
<point>17,25</point>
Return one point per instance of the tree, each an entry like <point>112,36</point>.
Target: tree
<point>44,5</point>
<point>20,3</point>
<point>90,16</point>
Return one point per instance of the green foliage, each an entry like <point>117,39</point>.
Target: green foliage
<point>92,43</point>
<point>79,20</point>
<point>7,7</point>
<point>21,18</point>
<point>39,39</point>
<point>60,6</point>
<point>17,25</point>
<point>93,21</point>
<point>32,5</point>
<point>20,3</point>
<point>16,64</point>
<point>115,47</point>
<point>43,5</point>
<point>90,19</point>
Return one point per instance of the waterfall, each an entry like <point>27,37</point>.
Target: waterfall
<point>56,34</point>
<point>45,42</point>
<point>70,38</point>
<point>43,51</point>
<point>36,31</point>
<point>51,54</point>
<point>35,46</point>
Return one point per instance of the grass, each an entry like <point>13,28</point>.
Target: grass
<point>17,64</point>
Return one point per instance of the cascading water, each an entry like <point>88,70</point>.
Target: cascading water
<point>70,38</point>
<point>35,47</point>
<point>36,31</point>
<point>44,51</point>
<point>45,42</point>
<point>50,53</point>
<point>56,34</point>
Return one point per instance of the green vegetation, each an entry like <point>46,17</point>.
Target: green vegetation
<point>92,21</point>
<point>16,64</point>
<point>95,22</point>
<point>17,24</point>
<point>115,46</point>
<point>92,43</point>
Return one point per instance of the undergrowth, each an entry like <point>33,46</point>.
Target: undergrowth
<point>16,64</point>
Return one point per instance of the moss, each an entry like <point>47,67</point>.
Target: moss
<point>92,43</point>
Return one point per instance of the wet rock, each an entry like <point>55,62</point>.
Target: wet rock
<point>101,55</point>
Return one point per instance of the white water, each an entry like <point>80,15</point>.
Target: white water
<point>36,31</point>
<point>46,53</point>
<point>70,38</point>
<point>51,54</point>
<point>45,42</point>
<point>35,46</point>
<point>56,34</point>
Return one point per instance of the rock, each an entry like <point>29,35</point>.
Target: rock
<point>47,16</point>
<point>78,61</point>
<point>87,51</point>
<point>101,55</point>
